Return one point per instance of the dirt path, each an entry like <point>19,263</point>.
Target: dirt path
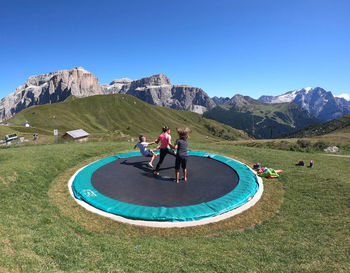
<point>347,156</point>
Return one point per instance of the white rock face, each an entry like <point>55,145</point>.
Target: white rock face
<point>57,86</point>
<point>158,90</point>
<point>50,88</point>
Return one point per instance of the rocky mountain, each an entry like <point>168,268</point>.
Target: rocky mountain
<point>57,86</point>
<point>238,102</point>
<point>317,101</point>
<point>261,120</point>
<point>50,88</point>
<point>158,90</point>
<point>220,100</point>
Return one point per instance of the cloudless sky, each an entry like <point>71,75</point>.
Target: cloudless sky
<point>225,47</point>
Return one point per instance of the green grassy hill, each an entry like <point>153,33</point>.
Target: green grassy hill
<point>114,116</point>
<point>263,120</point>
<point>301,224</point>
<point>336,126</point>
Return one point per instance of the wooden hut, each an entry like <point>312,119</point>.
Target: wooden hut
<point>79,135</point>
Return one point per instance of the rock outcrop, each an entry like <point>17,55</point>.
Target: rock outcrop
<point>50,88</point>
<point>57,86</point>
<point>158,90</point>
<point>220,100</point>
<point>239,101</point>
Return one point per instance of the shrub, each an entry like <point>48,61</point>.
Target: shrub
<point>320,145</point>
<point>304,143</point>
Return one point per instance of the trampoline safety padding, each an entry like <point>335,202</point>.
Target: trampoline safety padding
<point>125,186</point>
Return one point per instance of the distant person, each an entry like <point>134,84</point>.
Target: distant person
<point>181,154</point>
<point>165,144</point>
<point>142,145</point>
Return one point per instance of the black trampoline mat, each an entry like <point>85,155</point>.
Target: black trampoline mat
<point>130,180</point>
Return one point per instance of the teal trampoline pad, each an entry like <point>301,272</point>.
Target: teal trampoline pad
<point>102,185</point>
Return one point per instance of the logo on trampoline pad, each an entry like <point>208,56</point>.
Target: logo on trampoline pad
<point>89,193</point>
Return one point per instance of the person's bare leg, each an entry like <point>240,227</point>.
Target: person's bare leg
<point>185,174</point>
<point>153,157</point>
<point>151,161</point>
<point>177,176</point>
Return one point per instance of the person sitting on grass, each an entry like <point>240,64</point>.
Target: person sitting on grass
<point>142,145</point>
<point>181,154</point>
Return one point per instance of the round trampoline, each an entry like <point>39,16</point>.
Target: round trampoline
<point>124,185</point>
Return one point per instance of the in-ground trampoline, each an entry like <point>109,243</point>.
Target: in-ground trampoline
<point>123,187</point>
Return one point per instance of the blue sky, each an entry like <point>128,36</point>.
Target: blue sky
<point>224,47</point>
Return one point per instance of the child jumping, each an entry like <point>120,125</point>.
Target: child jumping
<point>181,154</point>
<point>142,145</point>
<point>165,143</point>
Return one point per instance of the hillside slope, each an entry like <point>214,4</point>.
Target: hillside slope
<point>106,115</point>
<point>336,126</point>
<point>261,120</point>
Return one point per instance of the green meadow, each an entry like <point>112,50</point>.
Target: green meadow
<point>301,224</point>
<point>109,117</point>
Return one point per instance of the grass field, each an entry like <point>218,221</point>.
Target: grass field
<point>114,116</point>
<point>301,224</point>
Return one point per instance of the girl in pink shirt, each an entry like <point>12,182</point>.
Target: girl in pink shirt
<point>165,143</point>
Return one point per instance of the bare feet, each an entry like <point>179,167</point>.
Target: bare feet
<point>185,179</point>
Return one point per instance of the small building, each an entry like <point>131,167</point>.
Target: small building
<point>26,124</point>
<point>79,135</point>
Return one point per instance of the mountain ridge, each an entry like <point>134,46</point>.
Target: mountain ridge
<point>261,120</point>
<point>317,101</point>
<point>57,86</point>
<point>158,90</point>
<point>49,88</point>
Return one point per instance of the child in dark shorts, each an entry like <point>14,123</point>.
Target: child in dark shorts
<point>181,154</point>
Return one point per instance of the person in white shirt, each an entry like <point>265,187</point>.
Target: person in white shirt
<point>142,145</point>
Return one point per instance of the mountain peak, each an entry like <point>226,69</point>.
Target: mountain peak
<point>157,89</point>
<point>156,80</point>
<point>237,100</point>
<point>37,80</point>
<point>317,101</point>
<point>344,96</point>
<point>50,88</point>
<point>241,100</point>
<point>121,81</point>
